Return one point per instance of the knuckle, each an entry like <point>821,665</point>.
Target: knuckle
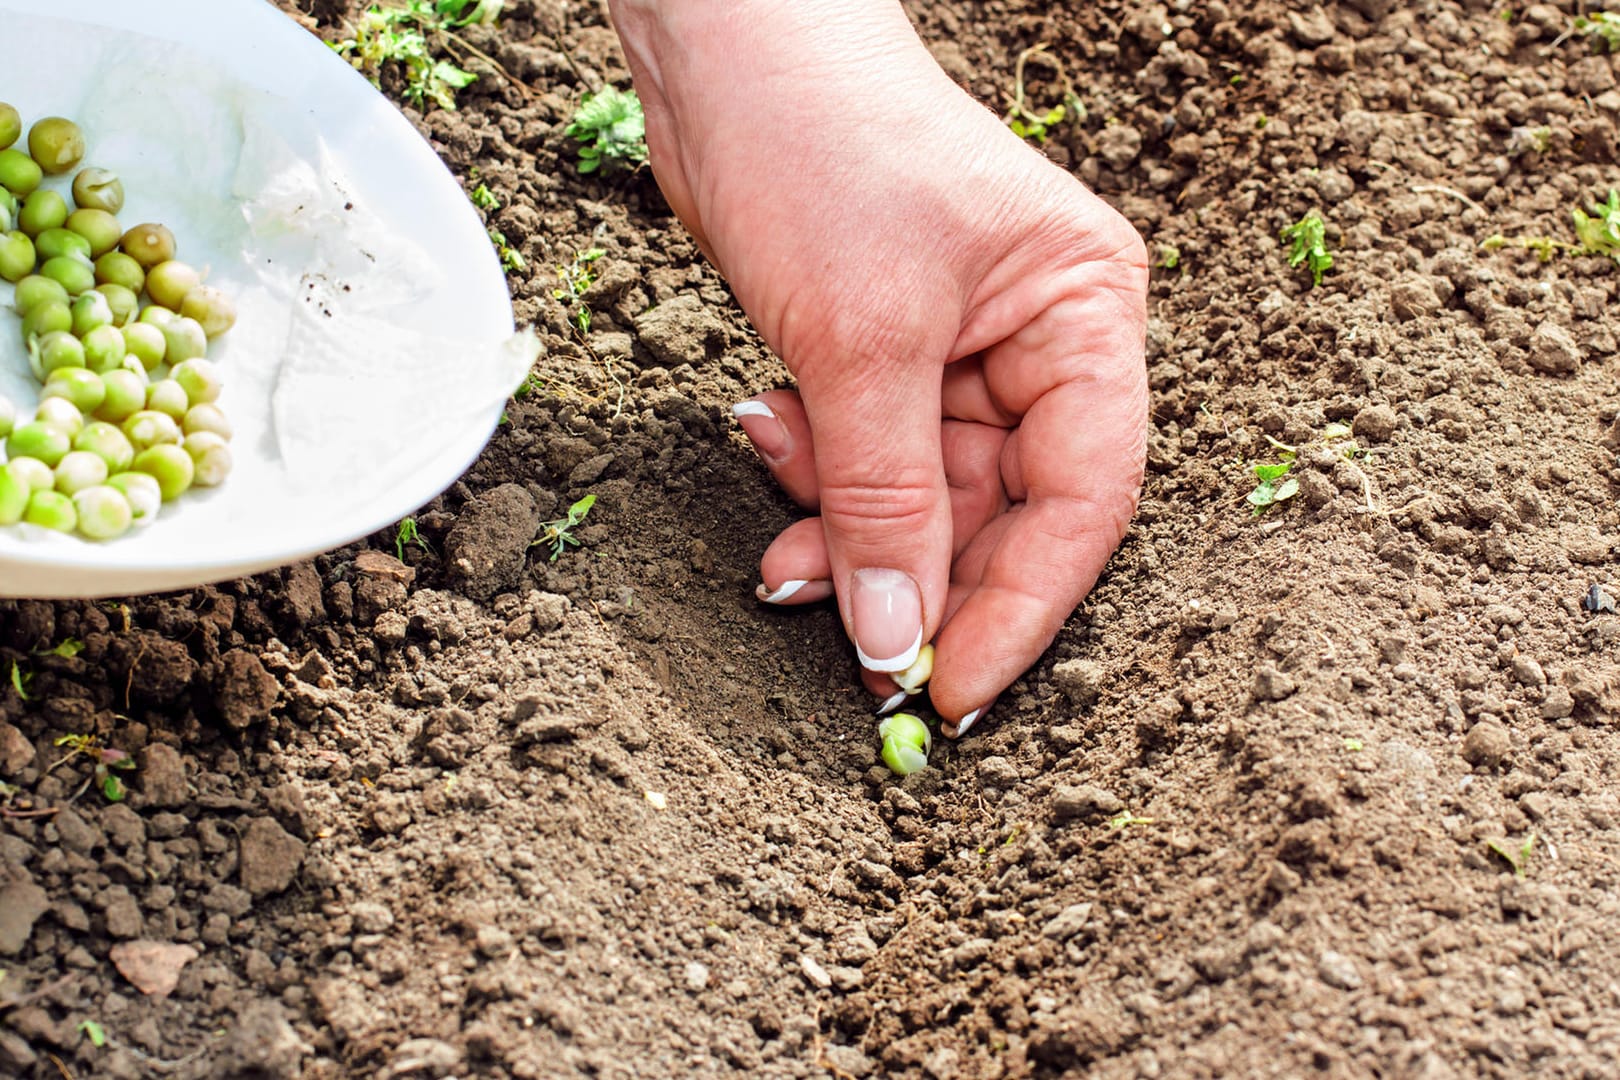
<point>895,506</point>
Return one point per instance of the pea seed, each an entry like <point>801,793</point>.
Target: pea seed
<point>56,143</point>
<point>79,385</point>
<point>148,244</point>
<point>170,466</point>
<point>19,173</point>
<point>60,414</point>
<point>125,395</point>
<point>210,458</point>
<point>10,124</point>
<point>78,470</point>
<point>36,289</point>
<point>39,441</point>
<point>116,268</point>
<point>104,512</point>
<point>51,510</point>
<point>16,256</point>
<point>167,283</point>
<point>75,276</point>
<point>168,397</point>
<point>144,495</point>
<point>98,227</point>
<point>42,209</point>
<point>108,443</point>
<point>212,308</point>
<point>98,189</point>
<point>14,493</point>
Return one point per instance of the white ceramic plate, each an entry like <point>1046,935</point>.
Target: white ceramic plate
<point>374,348</point>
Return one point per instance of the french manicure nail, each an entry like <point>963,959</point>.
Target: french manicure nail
<point>891,703</point>
<point>966,722</point>
<point>886,613</point>
<point>817,590</point>
<point>763,428</point>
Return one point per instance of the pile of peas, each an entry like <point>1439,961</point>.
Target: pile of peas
<point>117,332</point>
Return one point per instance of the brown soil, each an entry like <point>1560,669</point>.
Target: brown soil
<point>484,814</point>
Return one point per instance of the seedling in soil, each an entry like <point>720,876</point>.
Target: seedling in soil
<point>575,279</point>
<point>1125,817</point>
<point>485,199</point>
<point>559,534</point>
<point>1031,124</point>
<point>94,1032</point>
<point>1308,236</point>
<point>106,759</point>
<point>611,129</point>
<point>1169,257</point>
<point>1602,27</point>
<point>1273,486</point>
<point>20,678</point>
<point>1599,232</point>
<point>395,35</point>
<point>406,536</point>
<point>1518,859</point>
<point>512,260</point>
<point>67,649</point>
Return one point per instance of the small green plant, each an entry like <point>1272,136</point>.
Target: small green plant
<point>485,199</point>
<point>21,679</point>
<point>397,35</point>
<point>1273,485</point>
<point>407,536</point>
<point>1599,232</point>
<point>94,1032</point>
<point>611,129</point>
<point>1518,858</point>
<point>1169,257</point>
<point>1601,27</point>
<point>1125,817</point>
<point>574,279</point>
<point>1032,124</point>
<point>67,648</point>
<point>1308,236</point>
<point>1545,247</point>
<point>512,260</point>
<point>906,742</point>
<point>559,534</point>
<point>106,760</point>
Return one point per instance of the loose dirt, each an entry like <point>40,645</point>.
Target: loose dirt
<point>1325,791</point>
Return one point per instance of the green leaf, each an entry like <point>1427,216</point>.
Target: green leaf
<point>112,788</point>
<point>19,680</point>
<point>1286,490</point>
<point>94,1032</point>
<point>1271,472</point>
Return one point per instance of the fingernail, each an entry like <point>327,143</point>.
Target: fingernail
<point>763,429</point>
<point>891,703</point>
<point>886,612</point>
<point>960,728</point>
<point>788,590</point>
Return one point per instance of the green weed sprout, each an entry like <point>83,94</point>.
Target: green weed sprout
<point>611,129</point>
<point>1599,232</point>
<point>573,280</point>
<point>1027,124</point>
<point>906,743</point>
<point>408,535</point>
<point>1518,859</point>
<point>485,199</point>
<point>559,533</point>
<point>106,758</point>
<point>395,35</point>
<point>1601,26</point>
<point>94,1032</point>
<point>1273,485</point>
<point>1308,236</point>
<point>512,259</point>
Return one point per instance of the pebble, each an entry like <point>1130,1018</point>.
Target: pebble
<point>815,972</point>
<point>697,976</point>
<point>1487,744</point>
<point>1337,969</point>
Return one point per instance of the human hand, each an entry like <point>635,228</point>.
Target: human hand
<point>965,322</point>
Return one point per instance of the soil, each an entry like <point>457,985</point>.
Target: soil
<point>1328,790</point>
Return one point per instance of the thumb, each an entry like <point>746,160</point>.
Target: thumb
<point>885,506</point>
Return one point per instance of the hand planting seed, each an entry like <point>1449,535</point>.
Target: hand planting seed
<point>906,742</point>
<point>117,331</point>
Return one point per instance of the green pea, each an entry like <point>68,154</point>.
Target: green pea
<point>125,395</point>
<point>148,244</point>
<point>90,310</point>
<point>199,378</point>
<point>146,343</point>
<point>10,124</point>
<point>149,428</point>
<point>61,414</point>
<point>47,316</point>
<point>210,458</point>
<point>210,418</point>
<point>56,143</point>
<point>58,241</point>
<point>104,349</point>
<point>170,466</point>
<point>906,742</point>
<point>98,189</point>
<point>33,472</point>
<point>123,301</point>
<point>168,396</point>
<point>78,470</point>
<point>14,493</point>
<point>167,283</point>
<point>79,385</point>
<point>36,289</point>
<point>213,309</point>
<point>40,441</point>
<point>16,256</point>
<point>8,210</point>
<point>116,268</point>
<point>108,443</point>
<point>19,173</point>
<point>184,339</point>
<point>75,275</point>
<point>144,495</point>
<point>42,209</point>
<point>56,349</point>
<point>98,227</point>
<point>103,511</point>
<point>51,510</point>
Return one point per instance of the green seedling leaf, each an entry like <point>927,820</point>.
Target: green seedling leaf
<point>1599,232</point>
<point>112,788</point>
<point>94,1032</point>
<point>20,680</point>
<point>1125,817</point>
<point>485,199</point>
<point>558,533</point>
<point>1308,237</point>
<point>612,130</point>
<point>1518,858</point>
<point>1602,27</point>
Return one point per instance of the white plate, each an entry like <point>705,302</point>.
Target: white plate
<point>374,348</point>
